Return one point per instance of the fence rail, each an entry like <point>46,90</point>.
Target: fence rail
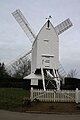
<point>56,96</point>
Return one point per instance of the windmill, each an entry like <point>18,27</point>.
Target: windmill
<point>45,49</point>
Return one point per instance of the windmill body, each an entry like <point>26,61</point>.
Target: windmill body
<point>45,49</point>
<point>45,53</point>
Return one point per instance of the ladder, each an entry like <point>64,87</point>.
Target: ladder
<point>53,76</point>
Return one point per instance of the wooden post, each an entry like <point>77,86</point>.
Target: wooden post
<point>76,95</point>
<point>54,95</point>
<point>31,96</point>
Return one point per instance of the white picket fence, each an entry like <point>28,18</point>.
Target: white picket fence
<point>56,96</point>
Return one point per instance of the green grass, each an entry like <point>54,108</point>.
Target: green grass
<point>12,97</point>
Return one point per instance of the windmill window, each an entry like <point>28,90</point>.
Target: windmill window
<point>47,66</point>
<point>47,61</point>
<point>46,40</point>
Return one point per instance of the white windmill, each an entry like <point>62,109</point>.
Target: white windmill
<point>45,49</point>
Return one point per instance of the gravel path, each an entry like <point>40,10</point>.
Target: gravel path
<point>6,115</point>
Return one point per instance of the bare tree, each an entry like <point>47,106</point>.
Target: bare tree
<point>73,73</point>
<point>20,68</point>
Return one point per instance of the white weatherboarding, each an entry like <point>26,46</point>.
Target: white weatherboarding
<point>45,50</point>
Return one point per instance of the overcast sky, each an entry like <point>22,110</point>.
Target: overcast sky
<point>13,41</point>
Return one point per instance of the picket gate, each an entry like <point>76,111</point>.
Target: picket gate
<point>56,96</point>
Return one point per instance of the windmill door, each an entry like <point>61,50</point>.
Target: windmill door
<point>47,62</point>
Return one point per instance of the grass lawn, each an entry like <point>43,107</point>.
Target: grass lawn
<point>12,97</point>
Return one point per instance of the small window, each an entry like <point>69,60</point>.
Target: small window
<point>47,66</point>
<point>46,40</point>
<point>47,61</point>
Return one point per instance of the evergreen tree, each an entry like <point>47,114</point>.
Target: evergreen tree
<point>3,72</point>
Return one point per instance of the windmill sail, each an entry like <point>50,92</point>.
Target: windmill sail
<point>24,24</point>
<point>63,26</point>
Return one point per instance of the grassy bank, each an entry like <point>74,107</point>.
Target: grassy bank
<point>12,97</point>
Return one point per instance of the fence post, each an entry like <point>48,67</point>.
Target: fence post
<point>54,95</point>
<point>31,96</point>
<point>76,95</point>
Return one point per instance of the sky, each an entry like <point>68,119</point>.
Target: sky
<point>14,42</point>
